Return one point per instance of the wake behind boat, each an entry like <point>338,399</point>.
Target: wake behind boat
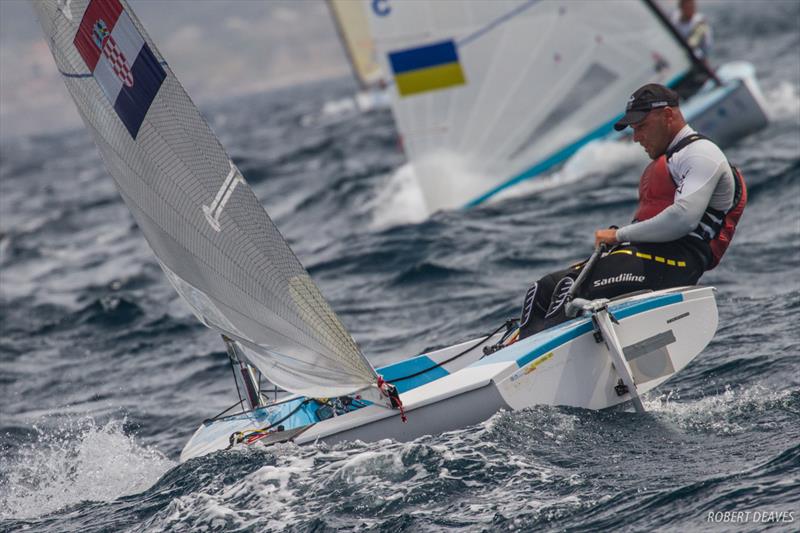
<point>228,261</point>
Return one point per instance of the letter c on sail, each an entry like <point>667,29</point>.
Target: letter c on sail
<point>213,211</point>
<point>381,7</point>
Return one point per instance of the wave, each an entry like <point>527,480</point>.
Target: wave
<point>76,461</point>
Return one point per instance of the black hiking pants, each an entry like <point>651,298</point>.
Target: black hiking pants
<point>627,268</point>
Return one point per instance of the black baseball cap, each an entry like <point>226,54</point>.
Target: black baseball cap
<point>645,99</point>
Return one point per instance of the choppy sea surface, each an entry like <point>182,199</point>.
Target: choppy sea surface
<point>105,374</point>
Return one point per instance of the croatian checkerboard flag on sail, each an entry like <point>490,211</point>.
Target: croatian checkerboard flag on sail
<point>120,60</point>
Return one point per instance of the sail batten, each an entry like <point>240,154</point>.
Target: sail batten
<point>208,230</point>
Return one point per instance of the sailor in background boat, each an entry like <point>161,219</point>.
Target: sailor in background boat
<point>694,27</point>
<point>690,199</point>
<point>696,31</point>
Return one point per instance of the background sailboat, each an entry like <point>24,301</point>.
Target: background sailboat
<point>490,94</point>
<point>352,27</point>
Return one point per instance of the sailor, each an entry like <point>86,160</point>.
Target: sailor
<point>690,200</point>
<point>694,28</point>
<point>696,31</point>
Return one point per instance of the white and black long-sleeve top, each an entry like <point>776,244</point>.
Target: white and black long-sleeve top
<point>703,178</point>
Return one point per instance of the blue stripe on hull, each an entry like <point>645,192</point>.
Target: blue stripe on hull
<point>558,157</point>
<point>553,160</point>
<point>634,308</point>
<point>552,338</point>
<point>412,366</point>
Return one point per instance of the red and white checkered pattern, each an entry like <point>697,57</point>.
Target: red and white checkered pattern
<point>113,61</point>
<point>119,62</point>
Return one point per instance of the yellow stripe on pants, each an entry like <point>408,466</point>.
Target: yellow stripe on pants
<point>657,259</point>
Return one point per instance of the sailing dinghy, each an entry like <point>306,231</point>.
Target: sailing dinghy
<point>227,260</point>
<point>352,27</point>
<point>489,94</point>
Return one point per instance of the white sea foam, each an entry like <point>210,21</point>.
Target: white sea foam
<point>399,200</point>
<point>732,411</point>
<point>268,497</point>
<point>78,461</point>
<point>340,106</point>
<point>346,107</point>
<point>783,102</point>
<point>370,481</point>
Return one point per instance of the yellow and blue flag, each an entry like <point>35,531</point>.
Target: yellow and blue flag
<point>426,68</point>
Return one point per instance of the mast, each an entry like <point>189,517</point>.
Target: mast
<point>244,375</point>
<point>337,23</point>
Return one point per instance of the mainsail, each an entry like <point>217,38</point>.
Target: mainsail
<point>350,18</point>
<point>211,235</point>
<point>491,93</point>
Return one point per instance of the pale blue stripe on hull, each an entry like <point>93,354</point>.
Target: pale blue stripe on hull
<point>412,366</point>
<point>552,339</point>
<point>553,160</point>
<point>558,157</point>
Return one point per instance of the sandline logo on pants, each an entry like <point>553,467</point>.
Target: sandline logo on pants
<point>626,277</point>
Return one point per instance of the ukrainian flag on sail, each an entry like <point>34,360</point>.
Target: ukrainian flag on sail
<point>426,68</point>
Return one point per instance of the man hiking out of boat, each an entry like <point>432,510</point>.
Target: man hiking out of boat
<point>690,199</point>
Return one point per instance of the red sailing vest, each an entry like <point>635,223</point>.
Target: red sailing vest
<point>657,192</point>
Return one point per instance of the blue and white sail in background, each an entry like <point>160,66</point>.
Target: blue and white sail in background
<point>503,91</point>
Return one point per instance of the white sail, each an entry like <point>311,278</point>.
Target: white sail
<point>491,93</point>
<point>350,19</point>
<point>208,230</point>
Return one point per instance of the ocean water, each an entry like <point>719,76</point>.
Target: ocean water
<point>105,374</point>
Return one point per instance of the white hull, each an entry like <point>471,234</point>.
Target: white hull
<point>660,332</point>
<point>732,111</point>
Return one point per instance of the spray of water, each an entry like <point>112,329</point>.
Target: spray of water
<point>783,101</point>
<point>398,201</point>
<point>77,461</point>
<point>728,413</point>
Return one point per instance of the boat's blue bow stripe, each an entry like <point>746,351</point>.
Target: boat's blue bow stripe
<point>409,367</point>
<point>640,306</point>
